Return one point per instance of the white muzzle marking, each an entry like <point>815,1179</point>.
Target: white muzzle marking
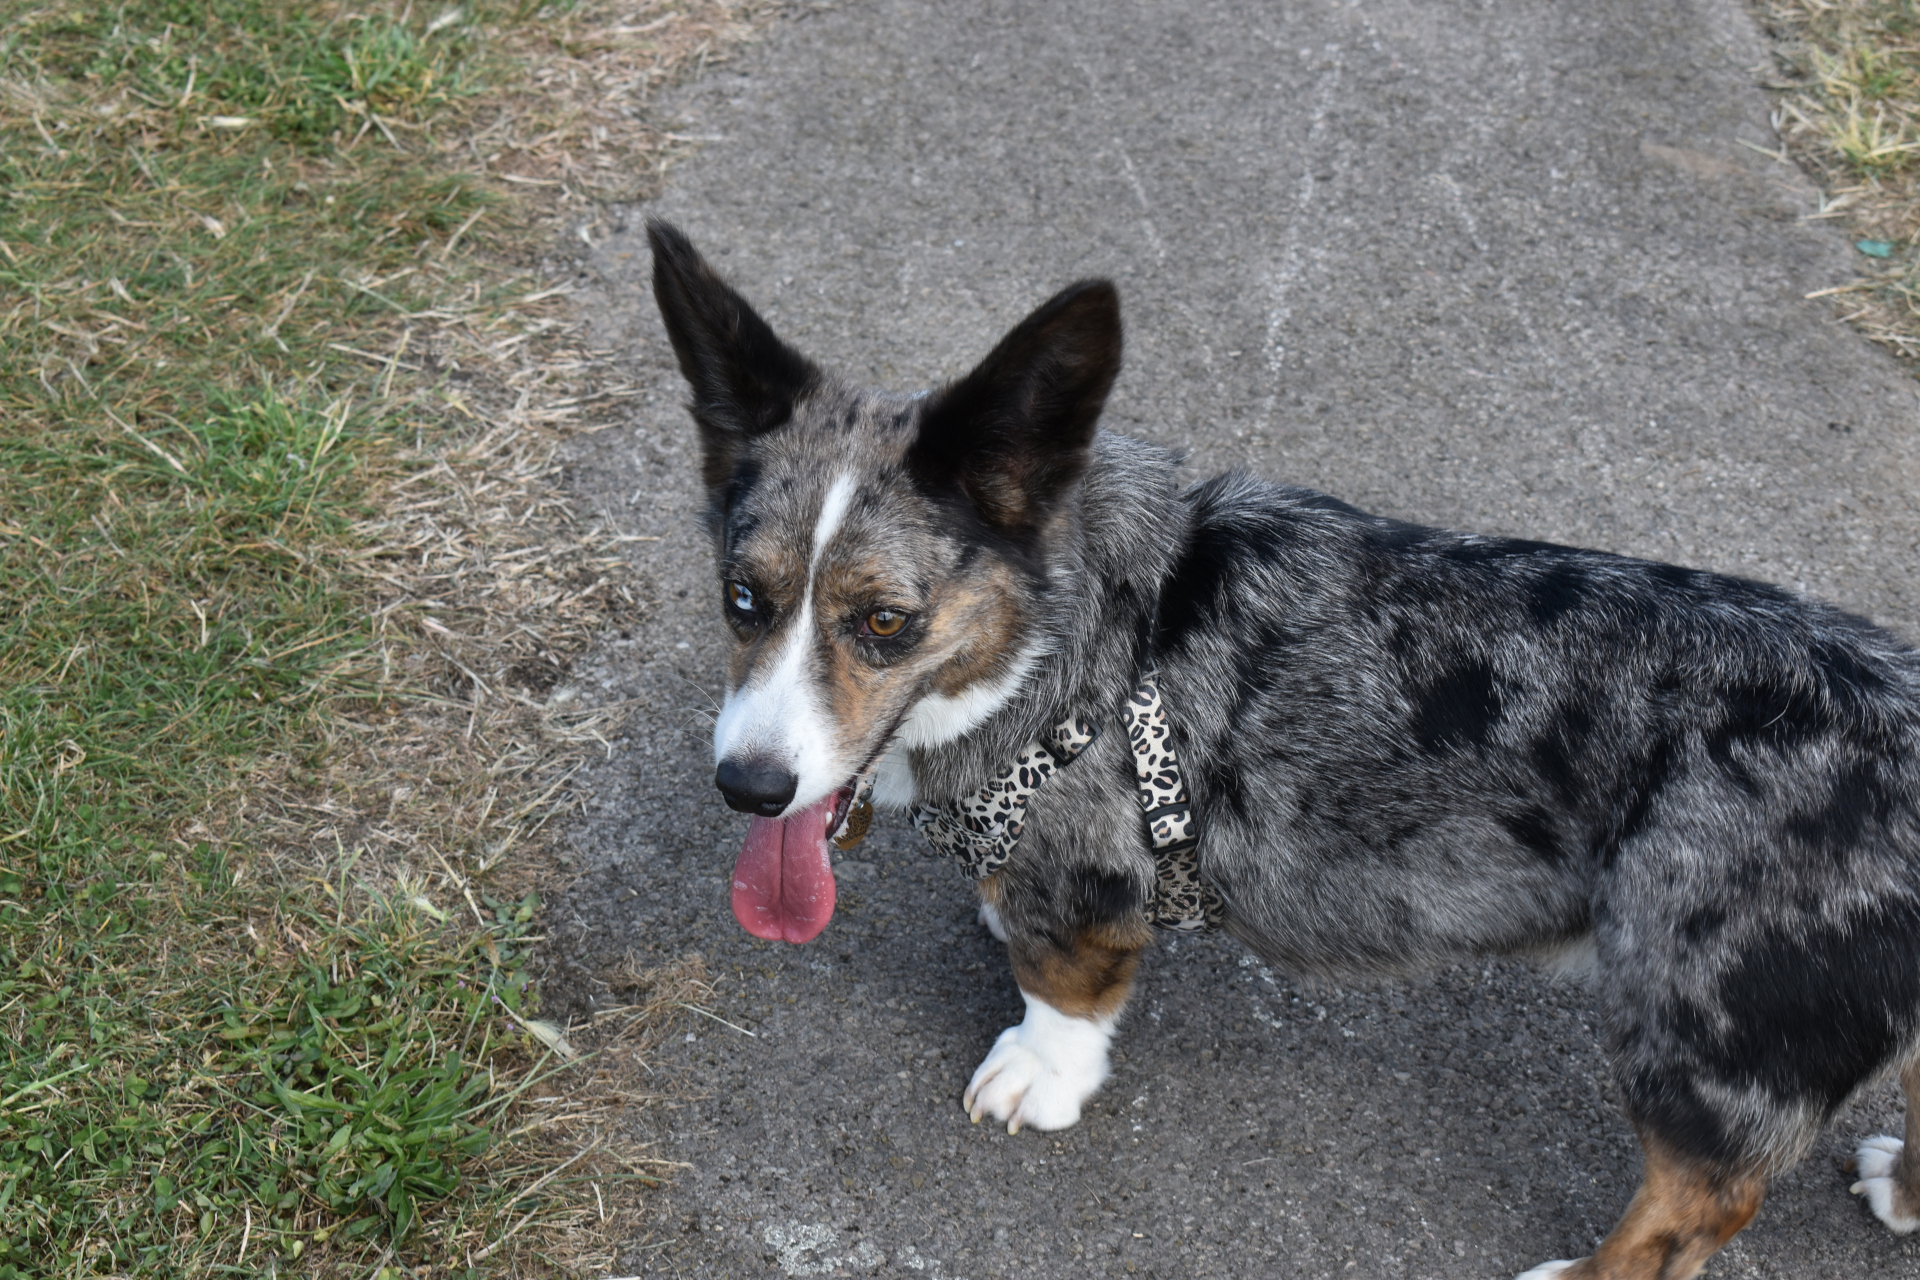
<point>780,712</point>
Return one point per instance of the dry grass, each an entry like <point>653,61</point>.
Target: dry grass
<point>579,127</point>
<point>1849,109</point>
<point>573,1140</point>
<point>486,584</point>
<point>290,593</point>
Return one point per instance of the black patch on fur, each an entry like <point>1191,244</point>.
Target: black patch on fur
<point>1816,1013</point>
<point>1781,715</point>
<point>1671,575</point>
<point>729,496</point>
<point>1064,902</point>
<point>1013,435</point>
<point>1199,591</point>
<point>1533,829</point>
<point>1101,897</point>
<point>1703,924</point>
<point>1858,797</point>
<point>1643,788</point>
<point>1556,754</point>
<point>745,380</point>
<point>1844,669</point>
<point>1191,596</point>
<point>1219,786</point>
<point>1720,750</point>
<point>1663,1101</point>
<point>1456,711</point>
<point>1555,593</point>
<point>1810,1015</point>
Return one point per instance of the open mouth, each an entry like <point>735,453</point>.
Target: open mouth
<point>842,806</point>
<point>783,879</point>
<point>852,813</point>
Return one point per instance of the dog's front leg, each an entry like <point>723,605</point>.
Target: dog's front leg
<point>1041,1072</point>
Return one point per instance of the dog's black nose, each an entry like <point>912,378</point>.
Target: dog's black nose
<point>755,785</point>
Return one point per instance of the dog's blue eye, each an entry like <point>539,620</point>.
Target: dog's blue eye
<point>740,596</point>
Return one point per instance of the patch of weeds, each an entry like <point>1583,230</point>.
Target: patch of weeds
<point>299,72</point>
<point>244,489</point>
<point>327,1100</point>
<point>203,1051</point>
<point>212,1057</point>
<point>1850,110</point>
<point>380,1076</point>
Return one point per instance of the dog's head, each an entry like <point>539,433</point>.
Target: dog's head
<point>879,554</point>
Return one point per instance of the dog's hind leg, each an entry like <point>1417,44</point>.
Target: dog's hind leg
<point>1890,1168</point>
<point>1680,1217</point>
<point>1040,1073</point>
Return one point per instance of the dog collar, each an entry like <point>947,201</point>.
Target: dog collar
<point>979,831</point>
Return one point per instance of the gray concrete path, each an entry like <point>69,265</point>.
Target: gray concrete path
<point>1521,267</point>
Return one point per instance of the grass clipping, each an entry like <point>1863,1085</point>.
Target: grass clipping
<point>1849,109</point>
<point>288,593</point>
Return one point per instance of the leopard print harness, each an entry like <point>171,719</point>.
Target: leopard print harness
<point>979,831</point>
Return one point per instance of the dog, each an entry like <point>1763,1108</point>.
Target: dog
<point>1358,746</point>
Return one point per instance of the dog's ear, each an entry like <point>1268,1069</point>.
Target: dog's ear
<point>745,380</point>
<point>1014,434</point>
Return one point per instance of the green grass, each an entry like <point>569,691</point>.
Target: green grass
<point>208,1050</point>
<point>1867,63</point>
<point>170,619</point>
<point>301,72</point>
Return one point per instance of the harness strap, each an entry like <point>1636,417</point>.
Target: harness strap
<point>979,831</point>
<point>1181,899</point>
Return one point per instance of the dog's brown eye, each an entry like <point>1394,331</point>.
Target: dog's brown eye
<point>885,622</point>
<point>740,596</point>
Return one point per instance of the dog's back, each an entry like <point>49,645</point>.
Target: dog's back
<point>1410,745</point>
<point>1400,746</point>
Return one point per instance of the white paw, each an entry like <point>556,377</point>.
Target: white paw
<point>1878,1157</point>
<point>1547,1270</point>
<point>991,918</point>
<point>1042,1070</point>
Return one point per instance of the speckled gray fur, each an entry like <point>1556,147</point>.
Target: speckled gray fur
<point>1407,746</point>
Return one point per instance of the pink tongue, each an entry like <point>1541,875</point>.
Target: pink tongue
<point>783,882</point>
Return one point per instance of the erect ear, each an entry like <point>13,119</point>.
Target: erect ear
<point>1014,434</point>
<point>745,380</point>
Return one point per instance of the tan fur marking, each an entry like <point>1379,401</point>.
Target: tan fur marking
<point>780,576</point>
<point>970,630</point>
<point>863,698</point>
<point>1906,1200</point>
<point>1089,980</point>
<point>1680,1217</point>
<point>983,617</point>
